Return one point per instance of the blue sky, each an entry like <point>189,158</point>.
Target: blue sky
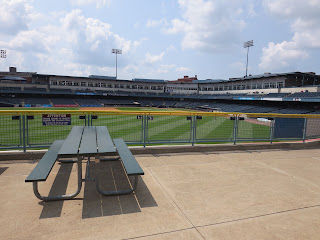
<point>160,39</point>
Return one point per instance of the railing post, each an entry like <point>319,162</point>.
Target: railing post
<point>24,133</point>
<point>271,130</point>
<point>304,130</point>
<point>193,128</point>
<point>235,130</point>
<point>144,129</point>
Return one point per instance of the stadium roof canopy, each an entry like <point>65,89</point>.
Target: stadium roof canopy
<point>13,78</point>
<point>267,75</point>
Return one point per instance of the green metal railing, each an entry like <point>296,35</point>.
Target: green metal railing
<point>30,129</point>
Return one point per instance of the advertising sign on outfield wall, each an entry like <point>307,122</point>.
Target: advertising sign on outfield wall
<point>56,119</point>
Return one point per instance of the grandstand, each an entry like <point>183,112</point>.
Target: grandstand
<point>293,92</point>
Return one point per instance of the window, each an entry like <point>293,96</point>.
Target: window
<point>76,84</point>
<point>266,85</point>
<point>53,83</point>
<point>69,83</point>
<point>280,84</point>
<point>272,85</point>
<point>83,84</point>
<point>103,85</point>
<point>90,84</point>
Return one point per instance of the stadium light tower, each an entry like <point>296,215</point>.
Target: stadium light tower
<point>247,45</point>
<point>116,51</point>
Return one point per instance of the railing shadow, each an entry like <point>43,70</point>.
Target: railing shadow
<point>59,187</point>
<point>2,169</point>
<point>113,177</point>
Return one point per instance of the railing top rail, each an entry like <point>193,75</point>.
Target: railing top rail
<point>164,113</point>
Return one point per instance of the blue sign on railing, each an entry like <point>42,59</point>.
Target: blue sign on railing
<point>56,119</point>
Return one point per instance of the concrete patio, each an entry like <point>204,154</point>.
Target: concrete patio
<point>252,194</point>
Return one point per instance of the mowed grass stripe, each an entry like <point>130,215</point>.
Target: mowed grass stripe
<point>170,131</point>
<point>10,131</point>
<point>253,131</point>
<point>222,128</point>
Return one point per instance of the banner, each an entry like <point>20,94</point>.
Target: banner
<point>56,119</point>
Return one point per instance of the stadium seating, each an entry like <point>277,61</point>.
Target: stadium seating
<point>88,102</point>
<point>63,101</point>
<point>305,95</point>
<point>35,90</point>
<point>36,101</point>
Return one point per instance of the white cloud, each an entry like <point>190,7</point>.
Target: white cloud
<point>98,3</point>
<point>92,40</point>
<point>209,25</point>
<point>156,23</point>
<point>73,45</point>
<point>304,19</point>
<point>14,16</point>
<point>153,58</point>
<point>183,69</point>
<point>165,68</point>
<point>281,55</point>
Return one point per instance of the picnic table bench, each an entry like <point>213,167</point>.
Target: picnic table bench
<point>85,142</point>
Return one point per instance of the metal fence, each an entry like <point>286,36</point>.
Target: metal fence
<point>39,129</point>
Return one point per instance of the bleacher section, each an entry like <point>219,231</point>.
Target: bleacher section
<point>88,102</point>
<point>157,103</point>
<point>276,95</point>
<point>127,102</point>
<point>60,91</point>
<point>11,100</point>
<point>144,103</point>
<point>36,102</point>
<point>35,90</point>
<point>108,102</point>
<point>10,89</point>
<point>305,95</point>
<point>64,102</point>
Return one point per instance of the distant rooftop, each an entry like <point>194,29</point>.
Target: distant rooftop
<point>147,80</point>
<point>103,77</point>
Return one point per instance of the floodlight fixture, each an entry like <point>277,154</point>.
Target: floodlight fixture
<point>116,51</point>
<point>247,45</point>
<point>3,53</point>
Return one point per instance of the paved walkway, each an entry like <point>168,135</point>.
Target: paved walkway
<point>228,195</point>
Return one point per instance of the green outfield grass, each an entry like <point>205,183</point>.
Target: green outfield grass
<point>166,129</point>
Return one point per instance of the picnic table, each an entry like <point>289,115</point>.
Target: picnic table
<point>85,142</point>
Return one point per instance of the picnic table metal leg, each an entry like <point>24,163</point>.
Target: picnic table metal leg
<point>61,197</point>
